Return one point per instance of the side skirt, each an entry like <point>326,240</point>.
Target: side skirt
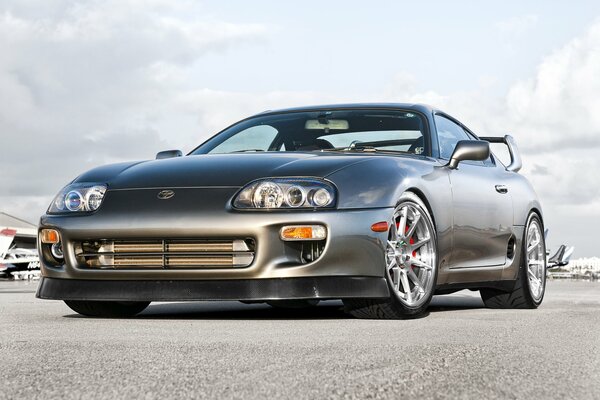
<point>455,287</point>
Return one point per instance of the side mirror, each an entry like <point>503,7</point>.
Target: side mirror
<point>472,150</point>
<point>169,154</point>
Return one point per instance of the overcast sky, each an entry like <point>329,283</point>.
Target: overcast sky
<point>88,83</point>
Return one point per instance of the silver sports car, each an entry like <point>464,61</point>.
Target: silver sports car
<point>380,205</point>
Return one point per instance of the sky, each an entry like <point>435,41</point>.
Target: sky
<point>88,83</point>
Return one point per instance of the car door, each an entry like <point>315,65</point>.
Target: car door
<point>481,204</point>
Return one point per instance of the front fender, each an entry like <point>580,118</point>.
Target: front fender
<point>380,182</point>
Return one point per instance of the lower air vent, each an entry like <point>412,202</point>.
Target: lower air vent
<point>510,250</point>
<point>312,250</point>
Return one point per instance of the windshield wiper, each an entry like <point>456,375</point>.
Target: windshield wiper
<point>246,151</point>
<point>365,149</point>
<point>353,148</point>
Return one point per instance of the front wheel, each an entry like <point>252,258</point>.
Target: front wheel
<point>530,285</point>
<point>411,265</point>
<point>107,309</point>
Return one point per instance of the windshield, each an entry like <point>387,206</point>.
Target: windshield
<point>336,130</point>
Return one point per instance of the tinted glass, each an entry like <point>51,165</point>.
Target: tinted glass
<point>385,130</point>
<point>257,138</point>
<point>449,133</point>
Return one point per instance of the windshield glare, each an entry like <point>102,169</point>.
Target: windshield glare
<point>337,130</point>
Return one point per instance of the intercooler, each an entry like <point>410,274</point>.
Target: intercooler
<point>175,254</point>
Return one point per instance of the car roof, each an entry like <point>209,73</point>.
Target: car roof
<point>424,108</point>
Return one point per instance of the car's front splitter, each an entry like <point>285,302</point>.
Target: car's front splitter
<point>330,287</point>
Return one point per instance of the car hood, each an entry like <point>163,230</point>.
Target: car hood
<point>230,170</point>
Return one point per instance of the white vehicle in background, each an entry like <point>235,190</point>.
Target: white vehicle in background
<point>18,247</point>
<point>6,239</point>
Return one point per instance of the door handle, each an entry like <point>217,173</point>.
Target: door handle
<point>501,189</point>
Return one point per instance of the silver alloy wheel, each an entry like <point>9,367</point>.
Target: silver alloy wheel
<point>536,260</point>
<point>411,255</point>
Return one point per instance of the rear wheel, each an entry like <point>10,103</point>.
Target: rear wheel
<point>107,309</point>
<point>411,265</point>
<point>530,285</point>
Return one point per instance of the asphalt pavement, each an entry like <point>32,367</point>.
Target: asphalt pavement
<point>236,351</point>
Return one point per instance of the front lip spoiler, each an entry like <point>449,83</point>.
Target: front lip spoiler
<point>330,287</point>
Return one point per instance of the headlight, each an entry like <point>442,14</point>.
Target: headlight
<point>285,193</point>
<point>78,197</point>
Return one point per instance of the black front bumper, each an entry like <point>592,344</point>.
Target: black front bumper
<point>235,289</point>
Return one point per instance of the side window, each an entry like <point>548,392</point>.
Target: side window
<point>257,137</point>
<point>449,134</point>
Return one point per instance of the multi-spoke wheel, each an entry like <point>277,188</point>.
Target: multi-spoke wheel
<point>536,260</point>
<point>411,264</point>
<point>410,255</point>
<point>529,288</point>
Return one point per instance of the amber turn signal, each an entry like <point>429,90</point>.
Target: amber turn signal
<point>303,232</point>
<point>380,227</point>
<point>49,236</point>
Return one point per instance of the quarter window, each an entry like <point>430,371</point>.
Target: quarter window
<point>449,133</point>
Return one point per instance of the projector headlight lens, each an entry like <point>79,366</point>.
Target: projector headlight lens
<point>321,197</point>
<point>57,251</point>
<point>286,193</point>
<point>78,197</point>
<point>73,201</point>
<point>295,196</point>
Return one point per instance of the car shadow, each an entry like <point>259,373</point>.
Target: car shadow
<point>455,302</point>
<point>233,310</point>
<point>240,311</point>
<point>326,310</point>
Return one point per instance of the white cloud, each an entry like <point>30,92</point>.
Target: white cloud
<point>561,102</point>
<point>556,115</point>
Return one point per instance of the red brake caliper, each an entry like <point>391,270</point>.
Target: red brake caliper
<point>410,240</point>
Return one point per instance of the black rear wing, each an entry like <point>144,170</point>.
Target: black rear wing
<point>515,158</point>
<point>561,257</point>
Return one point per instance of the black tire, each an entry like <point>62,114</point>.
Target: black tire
<point>392,307</point>
<point>107,309</point>
<point>520,296</point>
<point>293,304</point>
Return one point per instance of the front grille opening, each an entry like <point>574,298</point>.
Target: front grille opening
<point>510,250</point>
<point>170,254</point>
<point>312,250</point>
<point>46,250</point>
<point>304,252</point>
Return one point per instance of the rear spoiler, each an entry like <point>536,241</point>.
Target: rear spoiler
<point>515,158</point>
<point>561,257</point>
